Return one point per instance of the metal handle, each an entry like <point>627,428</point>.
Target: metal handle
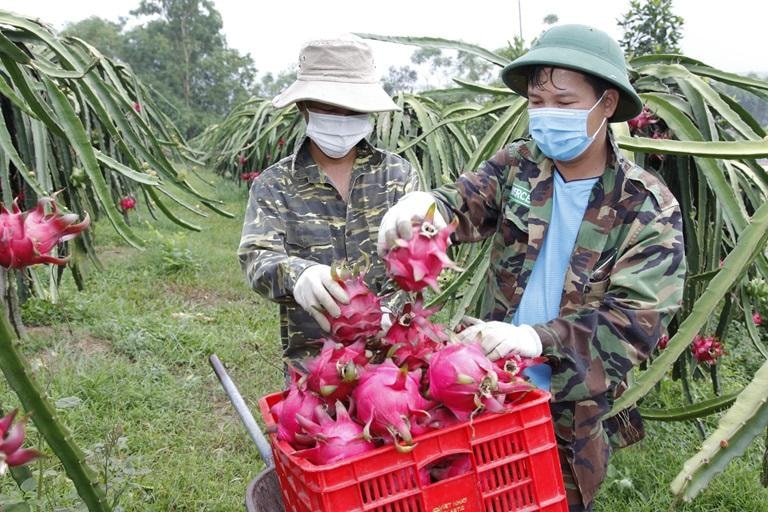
<point>243,411</point>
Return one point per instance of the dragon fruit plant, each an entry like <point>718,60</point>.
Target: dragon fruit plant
<point>27,238</point>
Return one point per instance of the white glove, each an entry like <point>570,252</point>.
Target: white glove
<point>317,292</point>
<point>386,321</point>
<point>396,223</point>
<point>498,339</point>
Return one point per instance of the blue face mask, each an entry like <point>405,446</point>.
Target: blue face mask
<point>561,133</point>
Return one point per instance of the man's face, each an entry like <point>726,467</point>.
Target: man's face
<point>565,88</point>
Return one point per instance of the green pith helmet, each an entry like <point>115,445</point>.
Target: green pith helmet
<point>580,48</point>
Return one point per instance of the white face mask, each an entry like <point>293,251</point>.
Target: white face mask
<point>336,135</point>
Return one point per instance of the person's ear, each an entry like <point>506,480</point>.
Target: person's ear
<point>610,102</point>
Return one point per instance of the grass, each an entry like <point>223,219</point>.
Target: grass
<point>126,362</point>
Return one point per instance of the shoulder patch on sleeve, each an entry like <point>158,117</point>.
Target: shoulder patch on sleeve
<point>653,184</point>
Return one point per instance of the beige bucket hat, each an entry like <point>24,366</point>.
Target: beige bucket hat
<point>339,72</point>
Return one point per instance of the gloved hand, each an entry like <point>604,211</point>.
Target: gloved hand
<point>396,223</point>
<point>386,321</point>
<point>499,339</point>
<point>317,292</point>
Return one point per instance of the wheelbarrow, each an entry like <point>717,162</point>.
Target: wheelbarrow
<point>263,493</point>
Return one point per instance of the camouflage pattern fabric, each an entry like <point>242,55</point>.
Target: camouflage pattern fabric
<point>296,218</point>
<point>623,285</point>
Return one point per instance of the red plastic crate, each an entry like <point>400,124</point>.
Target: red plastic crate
<point>513,454</point>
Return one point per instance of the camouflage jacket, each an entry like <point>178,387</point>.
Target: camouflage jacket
<point>296,217</point>
<point>623,285</point>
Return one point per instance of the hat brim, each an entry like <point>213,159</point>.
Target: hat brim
<point>515,75</point>
<point>359,97</point>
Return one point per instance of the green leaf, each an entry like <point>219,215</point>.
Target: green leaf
<point>126,171</point>
<point>709,149</point>
<point>485,89</point>
<point>750,243</point>
<point>10,49</point>
<point>81,144</point>
<point>690,412</point>
<point>437,42</point>
<point>744,421</point>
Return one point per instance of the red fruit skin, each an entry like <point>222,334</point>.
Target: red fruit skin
<point>387,399</point>
<point>295,402</point>
<point>707,350</point>
<point>11,439</point>
<point>463,378</point>
<point>360,320</point>
<point>757,319</point>
<point>416,263</point>
<point>334,372</point>
<point>27,237</point>
<point>336,439</point>
<point>663,342</point>
<point>413,338</point>
<point>127,203</point>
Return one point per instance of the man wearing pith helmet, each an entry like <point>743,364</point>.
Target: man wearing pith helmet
<point>323,203</point>
<point>587,264</point>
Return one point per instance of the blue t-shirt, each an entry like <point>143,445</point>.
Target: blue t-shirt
<point>541,298</point>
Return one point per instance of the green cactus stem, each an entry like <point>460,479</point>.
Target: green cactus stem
<point>744,421</point>
<point>15,370</point>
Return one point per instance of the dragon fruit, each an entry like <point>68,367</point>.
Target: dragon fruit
<point>359,320</point>
<point>127,203</point>
<point>444,468</point>
<point>335,439</point>
<point>295,402</point>
<point>413,338</point>
<point>387,399</point>
<point>512,366</point>
<point>11,439</point>
<point>416,263</point>
<point>334,372</point>
<point>27,237</point>
<point>466,381</point>
<point>707,350</point>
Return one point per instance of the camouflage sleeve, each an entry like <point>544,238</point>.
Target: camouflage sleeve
<point>268,269</point>
<point>475,199</point>
<point>595,347</point>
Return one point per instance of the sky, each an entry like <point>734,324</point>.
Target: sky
<point>727,35</point>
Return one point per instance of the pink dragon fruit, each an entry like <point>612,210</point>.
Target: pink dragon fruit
<point>388,402</point>
<point>466,381</point>
<point>335,439</point>
<point>127,203</point>
<point>413,338</point>
<point>359,320</point>
<point>295,402</point>
<point>707,350</point>
<point>334,372</point>
<point>416,263</point>
<point>27,237</point>
<point>512,366</point>
<point>11,439</point>
<point>445,468</point>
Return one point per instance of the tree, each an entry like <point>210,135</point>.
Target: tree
<point>182,54</point>
<point>650,26</point>
<point>105,35</point>
<point>400,79</point>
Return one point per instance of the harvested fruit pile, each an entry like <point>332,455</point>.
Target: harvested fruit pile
<point>363,391</point>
